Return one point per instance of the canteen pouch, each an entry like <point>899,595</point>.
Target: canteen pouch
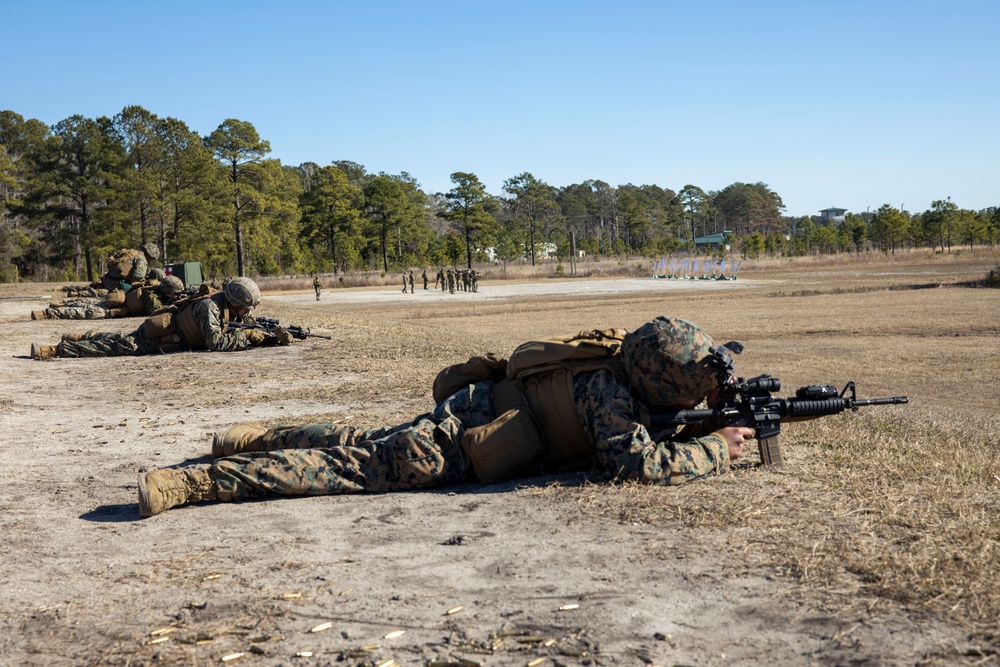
<point>503,447</point>
<point>114,299</point>
<point>158,326</point>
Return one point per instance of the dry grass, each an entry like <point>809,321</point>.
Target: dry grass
<point>895,507</point>
<point>872,511</point>
<point>872,270</point>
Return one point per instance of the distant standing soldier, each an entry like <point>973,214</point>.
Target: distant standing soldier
<point>465,280</point>
<point>411,282</point>
<point>474,277</point>
<point>424,276</point>
<point>451,281</point>
<point>439,279</point>
<point>317,286</point>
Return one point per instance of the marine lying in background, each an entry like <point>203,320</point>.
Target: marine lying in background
<point>126,268</point>
<point>142,300</point>
<point>273,328</point>
<point>750,403</point>
<point>195,323</point>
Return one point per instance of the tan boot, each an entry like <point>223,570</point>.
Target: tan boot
<point>238,439</point>
<point>39,315</point>
<point>162,489</point>
<point>118,312</point>
<point>43,351</point>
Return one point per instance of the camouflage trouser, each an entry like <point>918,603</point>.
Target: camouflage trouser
<point>87,291</point>
<point>78,312</point>
<point>107,344</point>
<point>322,459</point>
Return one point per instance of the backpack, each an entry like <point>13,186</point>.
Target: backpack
<point>587,350</point>
<point>536,383</point>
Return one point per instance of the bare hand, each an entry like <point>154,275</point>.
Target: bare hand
<point>735,437</point>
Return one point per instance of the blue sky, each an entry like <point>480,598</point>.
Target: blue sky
<point>848,104</point>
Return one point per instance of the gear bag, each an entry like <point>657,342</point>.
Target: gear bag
<point>120,264</point>
<point>115,299</point>
<point>178,318</point>
<point>543,371</point>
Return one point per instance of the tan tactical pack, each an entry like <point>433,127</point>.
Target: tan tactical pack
<point>120,263</point>
<point>542,372</point>
<point>133,299</point>
<point>177,320</point>
<point>115,299</point>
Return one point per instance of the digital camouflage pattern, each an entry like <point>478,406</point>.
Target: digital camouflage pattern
<point>116,278</point>
<point>152,299</point>
<point>207,312</point>
<point>323,459</point>
<point>93,290</point>
<point>668,362</point>
<point>107,344</point>
<point>78,310</point>
<point>328,459</point>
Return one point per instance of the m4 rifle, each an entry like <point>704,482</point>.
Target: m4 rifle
<point>751,403</point>
<point>269,325</point>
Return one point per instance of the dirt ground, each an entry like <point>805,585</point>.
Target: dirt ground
<point>520,573</point>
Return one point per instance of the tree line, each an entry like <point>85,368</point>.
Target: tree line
<point>73,193</point>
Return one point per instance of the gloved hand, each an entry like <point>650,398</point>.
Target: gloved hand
<point>256,336</point>
<point>282,337</point>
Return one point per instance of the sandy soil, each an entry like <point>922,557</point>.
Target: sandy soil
<point>496,575</point>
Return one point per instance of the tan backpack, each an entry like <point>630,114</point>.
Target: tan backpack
<point>121,262</point>
<point>534,401</point>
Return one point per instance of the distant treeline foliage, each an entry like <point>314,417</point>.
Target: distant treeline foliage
<point>74,192</point>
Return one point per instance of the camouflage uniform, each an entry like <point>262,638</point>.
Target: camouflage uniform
<point>116,279</point>
<point>78,310</point>
<point>152,299</point>
<point>317,286</point>
<point>207,312</point>
<point>93,290</point>
<point>326,459</point>
<point>665,363</point>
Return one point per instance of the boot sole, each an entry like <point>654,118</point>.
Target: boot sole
<point>144,498</point>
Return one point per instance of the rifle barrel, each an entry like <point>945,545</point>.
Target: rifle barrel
<point>892,400</point>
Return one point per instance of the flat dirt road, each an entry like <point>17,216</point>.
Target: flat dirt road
<point>541,571</point>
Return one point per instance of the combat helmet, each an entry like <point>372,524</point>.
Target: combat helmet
<point>151,250</point>
<point>172,285</point>
<point>242,292</point>
<point>155,274</point>
<point>669,362</point>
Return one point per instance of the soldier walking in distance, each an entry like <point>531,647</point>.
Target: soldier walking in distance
<point>424,276</point>
<point>317,286</point>
<point>404,282</point>
<point>492,429</point>
<point>411,282</point>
